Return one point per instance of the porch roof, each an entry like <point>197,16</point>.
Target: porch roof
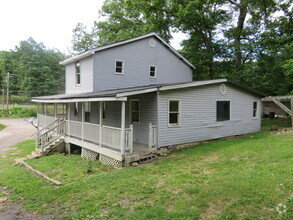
<point>106,95</point>
<point>122,94</point>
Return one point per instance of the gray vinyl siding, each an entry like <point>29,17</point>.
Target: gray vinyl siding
<point>148,114</point>
<point>86,76</point>
<point>198,114</point>
<point>138,56</point>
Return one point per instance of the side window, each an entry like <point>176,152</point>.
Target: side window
<point>254,110</point>
<point>153,72</point>
<point>87,111</point>
<point>223,110</point>
<point>174,112</point>
<point>77,73</point>
<point>119,67</point>
<point>134,111</point>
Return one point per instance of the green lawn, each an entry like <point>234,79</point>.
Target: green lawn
<point>2,127</point>
<point>241,178</point>
<point>280,123</point>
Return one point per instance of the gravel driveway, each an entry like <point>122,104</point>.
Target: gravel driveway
<point>17,130</point>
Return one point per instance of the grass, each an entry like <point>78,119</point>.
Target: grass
<point>2,127</point>
<point>241,178</point>
<point>280,123</point>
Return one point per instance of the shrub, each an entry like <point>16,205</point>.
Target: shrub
<point>15,112</point>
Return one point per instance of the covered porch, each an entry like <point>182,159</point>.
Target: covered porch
<point>102,125</point>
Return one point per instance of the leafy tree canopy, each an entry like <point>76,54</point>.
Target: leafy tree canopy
<point>34,69</point>
<point>246,40</point>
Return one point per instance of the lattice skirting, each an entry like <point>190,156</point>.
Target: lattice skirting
<point>110,161</point>
<point>88,154</point>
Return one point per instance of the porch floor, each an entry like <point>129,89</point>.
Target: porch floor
<point>140,149</point>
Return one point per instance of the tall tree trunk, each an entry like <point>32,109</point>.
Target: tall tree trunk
<point>237,38</point>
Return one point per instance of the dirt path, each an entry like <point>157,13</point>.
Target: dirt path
<point>17,130</point>
<point>16,212</point>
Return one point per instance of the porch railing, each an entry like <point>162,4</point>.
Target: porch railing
<point>111,136</point>
<point>45,120</point>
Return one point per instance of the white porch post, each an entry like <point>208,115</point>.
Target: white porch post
<point>68,119</point>
<point>150,136</point>
<point>122,127</point>
<point>101,122</point>
<point>82,120</point>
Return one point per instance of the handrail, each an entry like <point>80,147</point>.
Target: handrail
<point>46,127</point>
<point>51,135</point>
<point>104,126</point>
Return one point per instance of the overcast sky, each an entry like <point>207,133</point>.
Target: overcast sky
<point>47,21</point>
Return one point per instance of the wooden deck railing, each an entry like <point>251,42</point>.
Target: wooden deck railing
<point>45,120</point>
<point>111,136</point>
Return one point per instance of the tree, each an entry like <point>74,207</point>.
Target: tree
<point>239,39</point>
<point>35,70</point>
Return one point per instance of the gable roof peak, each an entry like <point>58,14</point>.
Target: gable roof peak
<point>119,43</point>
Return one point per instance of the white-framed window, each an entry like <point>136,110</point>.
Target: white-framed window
<point>134,111</point>
<point>174,112</point>
<point>119,66</point>
<point>75,108</point>
<point>87,111</point>
<point>153,71</point>
<point>77,73</point>
<point>254,110</point>
<point>223,110</point>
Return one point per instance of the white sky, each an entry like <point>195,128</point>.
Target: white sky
<point>48,21</point>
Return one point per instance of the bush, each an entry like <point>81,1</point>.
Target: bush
<point>15,112</point>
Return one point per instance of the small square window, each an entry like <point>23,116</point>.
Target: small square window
<point>119,67</point>
<point>152,71</point>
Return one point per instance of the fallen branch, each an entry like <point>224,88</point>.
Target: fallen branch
<point>56,182</point>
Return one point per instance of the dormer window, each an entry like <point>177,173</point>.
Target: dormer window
<point>77,73</point>
<point>119,66</point>
<point>153,72</point>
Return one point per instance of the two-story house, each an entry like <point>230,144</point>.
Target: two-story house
<point>126,99</point>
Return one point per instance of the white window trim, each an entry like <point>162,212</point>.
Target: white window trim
<point>257,107</point>
<point>77,84</point>
<point>219,100</point>
<point>179,112</point>
<point>123,64</point>
<point>130,111</point>
<point>153,77</point>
